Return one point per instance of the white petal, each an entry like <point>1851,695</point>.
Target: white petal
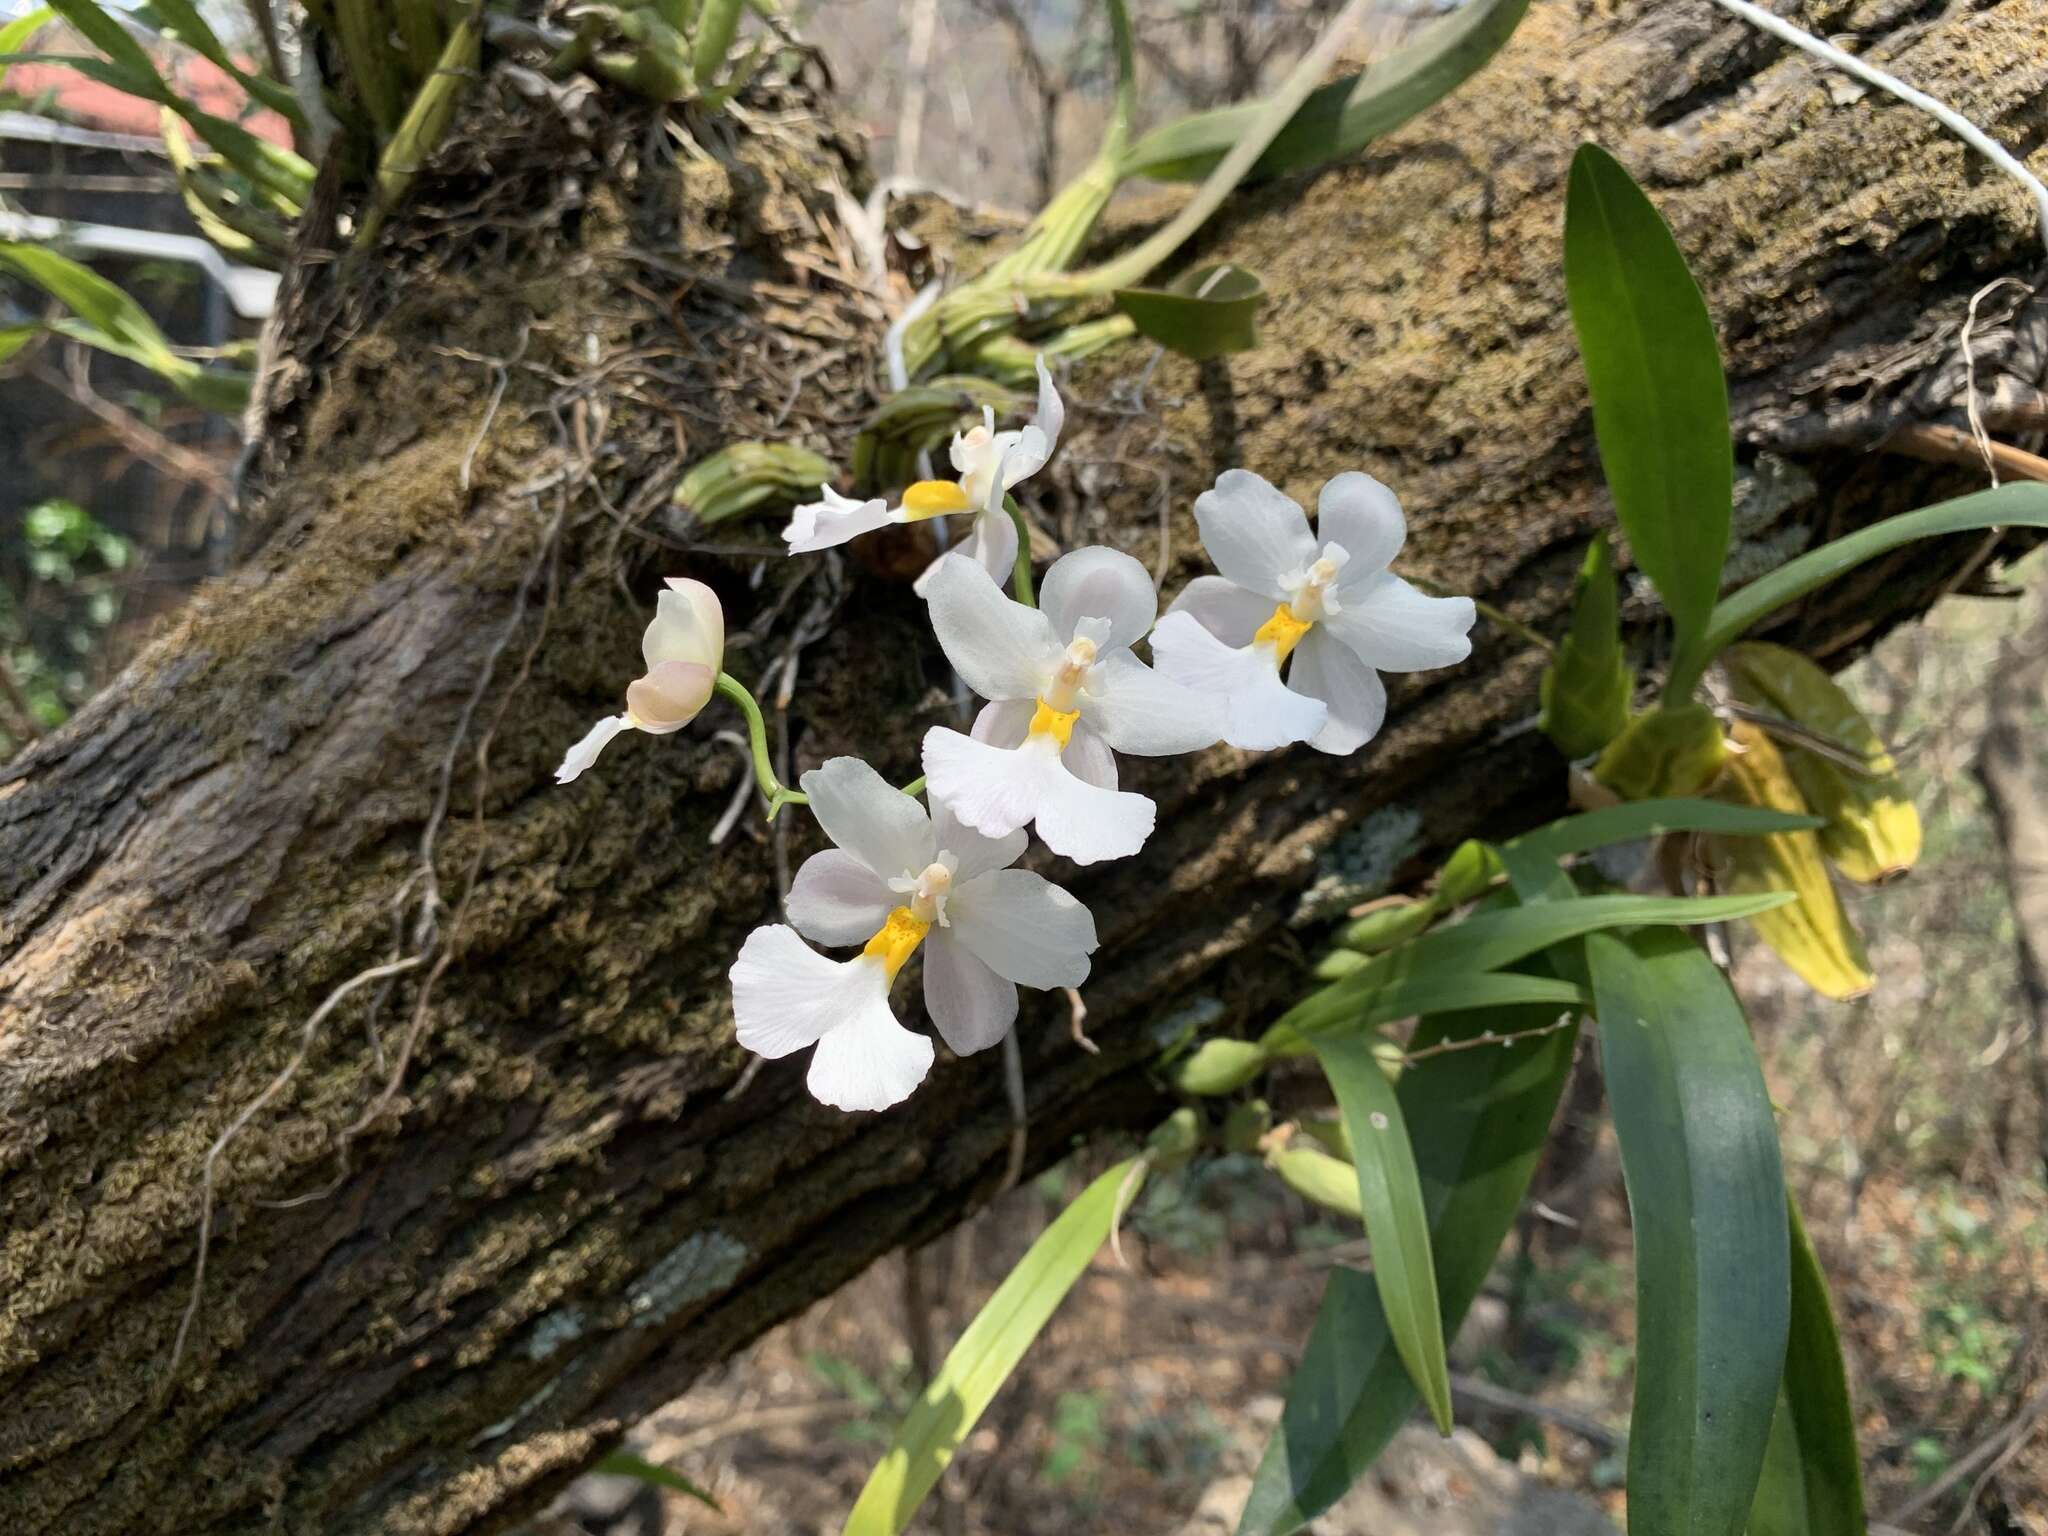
<point>1363,516</point>
<point>1002,649</point>
<point>1099,583</point>
<point>820,525</point>
<point>1395,628</point>
<point>689,625</point>
<point>1137,710</point>
<point>785,995</point>
<point>1260,712</point>
<point>584,753</point>
<point>994,790</point>
<point>1025,451</point>
<point>1005,723</point>
<point>837,900</point>
<point>868,1060</point>
<point>869,817</point>
<point>970,1004</point>
<point>1088,824</point>
<point>1052,411</point>
<point>1254,534</point>
<point>1326,668</point>
<point>974,853</point>
<point>1225,609</point>
<point>1024,928</point>
<point>1088,757</point>
<point>991,543</point>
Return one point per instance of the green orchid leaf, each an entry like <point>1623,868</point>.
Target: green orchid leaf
<point>1588,685</point>
<point>1209,312</point>
<point>1660,399</point>
<point>1390,1198</point>
<point>1706,1192</point>
<point>947,1410</point>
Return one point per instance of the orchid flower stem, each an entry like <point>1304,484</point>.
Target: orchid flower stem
<point>1020,573</point>
<point>772,788</point>
<point>915,787</point>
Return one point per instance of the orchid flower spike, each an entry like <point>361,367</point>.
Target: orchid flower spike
<point>684,648</point>
<point>1064,693</point>
<point>988,463</point>
<point>899,879</point>
<point>1326,600</point>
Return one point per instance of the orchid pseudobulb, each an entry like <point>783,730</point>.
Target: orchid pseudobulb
<point>1326,600</point>
<point>898,880</point>
<point>684,647</point>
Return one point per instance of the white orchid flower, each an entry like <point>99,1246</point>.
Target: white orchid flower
<point>1064,693</point>
<point>988,464</point>
<point>899,879</point>
<point>1327,600</point>
<point>684,648</point>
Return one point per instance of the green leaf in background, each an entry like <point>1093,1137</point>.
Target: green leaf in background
<point>2018,504</point>
<point>1479,1119</point>
<point>1342,117</point>
<point>1653,818</point>
<point>1390,1197</point>
<point>181,20</point>
<point>1206,313</point>
<point>14,37</point>
<point>1706,1194</point>
<point>625,1464</point>
<point>104,316</point>
<point>1660,400</point>
<point>1440,962</point>
<point>987,1352</point>
<point>14,337</point>
<point>1400,995</point>
<point>1813,1472</point>
<point>1588,686</point>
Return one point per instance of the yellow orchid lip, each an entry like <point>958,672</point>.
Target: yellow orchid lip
<point>1283,632</point>
<point>897,940</point>
<point>1056,723</point>
<point>935,498</point>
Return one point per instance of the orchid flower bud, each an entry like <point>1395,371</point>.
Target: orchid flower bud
<point>683,649</point>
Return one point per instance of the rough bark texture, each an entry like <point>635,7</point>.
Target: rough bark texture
<point>518,1194</point>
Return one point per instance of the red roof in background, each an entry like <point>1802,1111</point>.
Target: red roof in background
<point>89,104</point>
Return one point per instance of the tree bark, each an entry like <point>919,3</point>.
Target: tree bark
<point>520,1189</point>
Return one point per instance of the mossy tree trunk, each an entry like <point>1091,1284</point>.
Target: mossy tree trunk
<point>518,1191</point>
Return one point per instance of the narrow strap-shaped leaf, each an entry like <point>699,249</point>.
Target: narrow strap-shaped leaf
<point>1487,941</point>
<point>1479,1118</point>
<point>1342,117</point>
<point>184,21</point>
<point>1653,818</point>
<point>987,1352</point>
<point>1706,1193</point>
<point>641,1470</point>
<point>1660,399</point>
<point>2018,504</point>
<point>1813,1472</point>
<point>1402,996</point>
<point>1390,1201</point>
